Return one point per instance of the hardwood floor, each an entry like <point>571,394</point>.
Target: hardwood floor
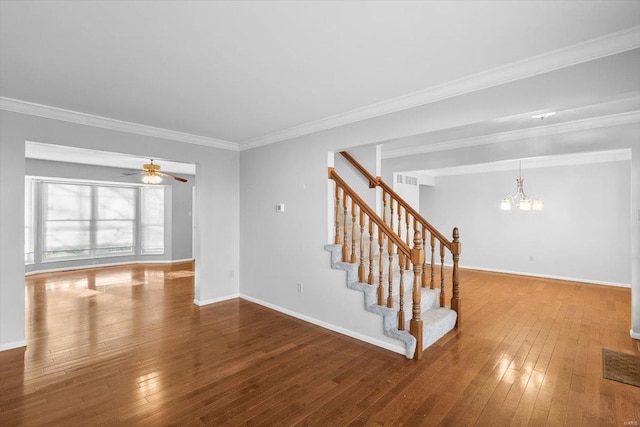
<point>127,346</point>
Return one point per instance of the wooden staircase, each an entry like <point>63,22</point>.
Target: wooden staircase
<point>384,257</point>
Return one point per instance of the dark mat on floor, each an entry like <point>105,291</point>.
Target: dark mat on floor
<point>621,367</point>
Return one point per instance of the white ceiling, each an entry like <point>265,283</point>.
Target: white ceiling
<point>253,72</point>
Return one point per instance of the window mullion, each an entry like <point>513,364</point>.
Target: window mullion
<point>37,222</point>
<point>93,227</point>
<point>138,222</point>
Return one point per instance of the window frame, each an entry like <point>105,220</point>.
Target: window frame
<point>39,207</point>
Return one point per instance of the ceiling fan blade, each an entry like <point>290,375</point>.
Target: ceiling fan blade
<point>126,174</point>
<point>177,178</point>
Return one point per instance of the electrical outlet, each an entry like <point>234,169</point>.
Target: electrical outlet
<point>300,288</point>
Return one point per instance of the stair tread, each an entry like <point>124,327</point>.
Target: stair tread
<point>436,323</point>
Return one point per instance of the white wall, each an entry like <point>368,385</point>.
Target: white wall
<point>217,193</point>
<point>584,232</point>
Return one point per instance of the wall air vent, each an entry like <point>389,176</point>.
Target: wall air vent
<point>411,180</point>
<point>398,179</point>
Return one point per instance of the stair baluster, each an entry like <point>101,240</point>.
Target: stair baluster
<point>456,248</point>
<point>415,324</point>
<point>390,249</point>
<point>338,197</point>
<point>345,230</point>
<point>399,220</point>
<point>391,202</point>
<point>424,266</point>
<point>353,232</point>
<point>370,279</point>
<point>401,292</point>
<point>384,207</point>
<point>407,219</point>
<point>441,275</point>
<point>433,261</point>
<point>380,267</point>
<point>361,272</point>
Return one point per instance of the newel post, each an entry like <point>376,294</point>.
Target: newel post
<point>456,248</point>
<point>415,324</point>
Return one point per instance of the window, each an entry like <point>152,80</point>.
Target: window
<point>86,220</point>
<point>152,220</point>
<point>66,221</point>
<point>115,220</point>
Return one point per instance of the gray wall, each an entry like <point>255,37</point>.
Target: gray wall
<point>584,232</point>
<point>178,233</point>
<point>217,206</point>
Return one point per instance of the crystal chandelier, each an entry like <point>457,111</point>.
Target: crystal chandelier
<point>520,199</point>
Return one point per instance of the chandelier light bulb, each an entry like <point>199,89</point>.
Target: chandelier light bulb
<point>525,205</point>
<point>537,205</point>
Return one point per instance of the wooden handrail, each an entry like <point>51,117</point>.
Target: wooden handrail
<point>377,181</point>
<point>373,181</point>
<point>402,246</point>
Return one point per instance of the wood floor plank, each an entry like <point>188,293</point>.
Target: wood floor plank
<point>127,346</point>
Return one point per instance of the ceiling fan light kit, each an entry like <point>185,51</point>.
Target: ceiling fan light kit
<point>151,174</point>
<point>151,179</point>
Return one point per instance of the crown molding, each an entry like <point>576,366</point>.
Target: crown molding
<point>610,44</point>
<point>559,160</point>
<point>49,112</point>
<point>522,134</point>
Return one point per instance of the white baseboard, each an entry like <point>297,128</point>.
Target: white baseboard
<point>215,300</point>
<point>113,264</point>
<point>379,343</point>
<point>177,261</point>
<point>634,335</point>
<point>12,345</point>
<point>544,276</point>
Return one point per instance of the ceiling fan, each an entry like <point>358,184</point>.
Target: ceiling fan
<point>151,174</point>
